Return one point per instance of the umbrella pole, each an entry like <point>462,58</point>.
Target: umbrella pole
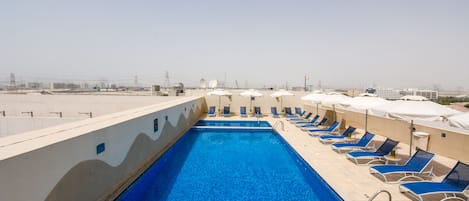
<point>333,109</point>
<point>411,128</point>
<point>317,108</point>
<point>281,101</point>
<point>219,104</point>
<point>366,120</point>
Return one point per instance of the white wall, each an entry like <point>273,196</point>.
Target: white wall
<point>32,163</point>
<point>71,106</point>
<point>265,102</point>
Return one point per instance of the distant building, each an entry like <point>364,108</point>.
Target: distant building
<point>430,94</point>
<point>35,85</point>
<point>386,93</point>
<point>394,94</point>
<point>60,85</point>
<point>354,92</point>
<point>297,88</point>
<point>370,90</point>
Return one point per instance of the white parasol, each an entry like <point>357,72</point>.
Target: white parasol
<point>219,93</point>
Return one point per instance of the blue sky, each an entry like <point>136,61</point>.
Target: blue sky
<point>342,43</point>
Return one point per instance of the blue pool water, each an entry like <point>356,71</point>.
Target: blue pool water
<point>232,123</point>
<point>229,165</point>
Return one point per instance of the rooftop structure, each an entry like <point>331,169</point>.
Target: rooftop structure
<point>129,133</point>
<point>395,94</point>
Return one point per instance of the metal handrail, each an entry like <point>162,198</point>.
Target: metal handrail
<point>30,113</point>
<point>90,114</point>
<point>379,192</point>
<point>281,123</point>
<point>57,113</point>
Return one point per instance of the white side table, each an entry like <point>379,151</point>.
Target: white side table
<point>394,159</point>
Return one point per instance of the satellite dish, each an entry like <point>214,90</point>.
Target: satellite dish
<point>203,84</point>
<point>213,84</point>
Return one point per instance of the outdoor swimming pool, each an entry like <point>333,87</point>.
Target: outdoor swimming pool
<point>232,123</point>
<point>230,164</point>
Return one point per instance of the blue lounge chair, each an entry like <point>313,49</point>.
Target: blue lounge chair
<point>300,119</point>
<point>242,111</point>
<point>298,111</point>
<point>377,155</point>
<point>257,111</point>
<point>331,128</point>
<point>302,123</point>
<point>302,114</point>
<point>310,126</point>
<point>452,185</point>
<point>332,138</point>
<point>226,111</point>
<point>363,143</point>
<point>273,110</point>
<point>288,111</point>
<point>414,168</point>
<point>211,111</point>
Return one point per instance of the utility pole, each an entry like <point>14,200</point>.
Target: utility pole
<point>136,81</point>
<point>167,84</point>
<point>224,82</point>
<point>306,78</point>
<point>12,81</point>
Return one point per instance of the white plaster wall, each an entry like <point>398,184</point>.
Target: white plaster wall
<point>70,105</point>
<point>265,102</point>
<point>16,121</point>
<point>32,163</point>
<point>15,125</point>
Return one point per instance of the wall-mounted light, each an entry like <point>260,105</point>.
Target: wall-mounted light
<point>155,125</point>
<point>100,148</point>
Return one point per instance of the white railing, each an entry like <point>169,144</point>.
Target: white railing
<point>379,192</point>
<point>281,123</point>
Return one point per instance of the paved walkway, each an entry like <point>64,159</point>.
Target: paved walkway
<point>350,181</point>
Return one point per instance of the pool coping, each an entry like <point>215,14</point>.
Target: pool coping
<point>233,127</point>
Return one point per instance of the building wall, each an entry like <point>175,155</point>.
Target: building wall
<point>62,163</point>
<point>265,102</point>
<point>73,108</point>
<point>72,105</point>
<point>16,125</point>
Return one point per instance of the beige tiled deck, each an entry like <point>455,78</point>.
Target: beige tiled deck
<point>350,181</point>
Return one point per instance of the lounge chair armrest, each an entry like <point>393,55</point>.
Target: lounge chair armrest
<point>360,150</point>
<point>429,173</point>
<point>369,148</point>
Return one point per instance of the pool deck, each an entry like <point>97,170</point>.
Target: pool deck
<point>350,181</point>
